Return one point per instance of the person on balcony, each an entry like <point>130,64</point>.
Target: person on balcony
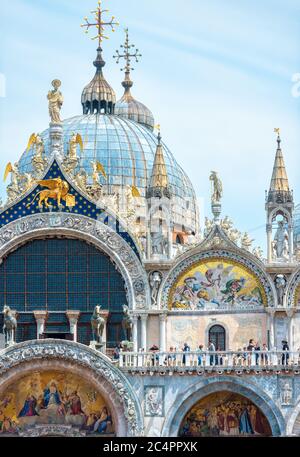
<point>264,355</point>
<point>155,357</point>
<point>285,355</point>
<point>186,348</point>
<point>257,350</point>
<point>171,357</point>
<point>211,348</point>
<point>200,354</point>
<point>250,349</point>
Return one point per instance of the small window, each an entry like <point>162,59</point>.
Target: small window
<point>217,336</point>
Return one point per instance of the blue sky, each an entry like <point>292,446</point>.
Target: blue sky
<point>216,74</point>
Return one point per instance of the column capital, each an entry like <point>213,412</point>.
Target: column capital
<point>40,315</point>
<point>163,317</point>
<point>290,312</point>
<point>270,310</point>
<point>73,315</point>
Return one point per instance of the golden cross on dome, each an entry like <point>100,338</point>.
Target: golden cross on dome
<point>99,23</point>
<point>277,130</point>
<point>127,55</point>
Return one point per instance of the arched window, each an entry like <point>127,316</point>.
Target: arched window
<point>216,335</point>
<point>57,275</point>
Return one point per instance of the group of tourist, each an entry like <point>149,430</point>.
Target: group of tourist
<point>250,354</point>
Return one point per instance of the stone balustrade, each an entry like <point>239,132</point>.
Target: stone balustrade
<point>220,361</point>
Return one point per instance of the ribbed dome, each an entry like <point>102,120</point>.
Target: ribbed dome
<point>98,96</point>
<point>129,108</point>
<point>126,149</point>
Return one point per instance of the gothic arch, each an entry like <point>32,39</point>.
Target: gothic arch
<point>95,232</point>
<point>293,422</point>
<point>187,399</point>
<point>42,355</point>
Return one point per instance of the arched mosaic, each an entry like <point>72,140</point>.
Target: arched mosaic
<point>56,398</point>
<point>293,290</point>
<point>224,414</point>
<point>217,283</point>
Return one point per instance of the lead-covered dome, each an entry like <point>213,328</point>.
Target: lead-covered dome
<point>126,150</point>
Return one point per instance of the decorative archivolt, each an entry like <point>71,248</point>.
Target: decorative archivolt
<point>93,231</point>
<point>293,290</point>
<point>230,259</point>
<point>52,351</point>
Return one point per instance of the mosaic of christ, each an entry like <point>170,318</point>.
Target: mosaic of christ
<point>217,284</point>
<point>54,397</point>
<point>225,414</point>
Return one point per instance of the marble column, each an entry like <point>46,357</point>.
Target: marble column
<point>269,243</point>
<point>144,319</point>
<point>162,332</point>
<point>40,317</point>
<point>104,314</point>
<point>291,244</point>
<point>290,314</point>
<point>271,316</point>
<point>135,333</point>
<point>73,317</point>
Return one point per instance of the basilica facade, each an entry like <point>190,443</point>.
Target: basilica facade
<point>122,316</point>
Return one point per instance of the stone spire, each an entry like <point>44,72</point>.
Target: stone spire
<point>98,96</point>
<point>159,182</point>
<point>279,181</point>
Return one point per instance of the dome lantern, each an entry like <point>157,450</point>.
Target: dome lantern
<point>128,107</point>
<point>98,96</point>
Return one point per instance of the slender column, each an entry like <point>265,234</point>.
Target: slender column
<point>271,313</point>
<point>291,247</point>
<point>135,333</point>
<point>162,332</point>
<point>290,314</point>
<point>144,319</point>
<point>73,317</point>
<point>269,243</point>
<point>40,317</point>
<point>104,314</point>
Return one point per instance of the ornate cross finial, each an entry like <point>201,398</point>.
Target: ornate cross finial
<point>127,54</point>
<point>99,23</point>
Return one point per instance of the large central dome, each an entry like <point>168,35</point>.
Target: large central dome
<point>126,149</point>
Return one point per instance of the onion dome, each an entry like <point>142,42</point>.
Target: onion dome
<point>98,96</point>
<point>128,107</point>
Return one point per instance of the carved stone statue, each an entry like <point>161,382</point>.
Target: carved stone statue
<point>155,279</point>
<point>81,180</point>
<point>159,243</point>
<point>29,182</point>
<point>246,241</point>
<point>217,191</point>
<point>234,235</point>
<point>127,323</point>
<point>286,394</point>
<point>280,283</point>
<point>227,224</point>
<point>10,326</point>
<point>281,241</point>
<point>258,252</point>
<point>55,102</point>
<point>208,226</point>
<point>98,324</point>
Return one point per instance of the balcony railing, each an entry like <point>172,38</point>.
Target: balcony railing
<point>210,361</point>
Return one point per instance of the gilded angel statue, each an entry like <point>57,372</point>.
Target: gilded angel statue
<point>75,140</point>
<point>13,189</point>
<point>38,160</point>
<point>55,102</point>
<point>97,168</point>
